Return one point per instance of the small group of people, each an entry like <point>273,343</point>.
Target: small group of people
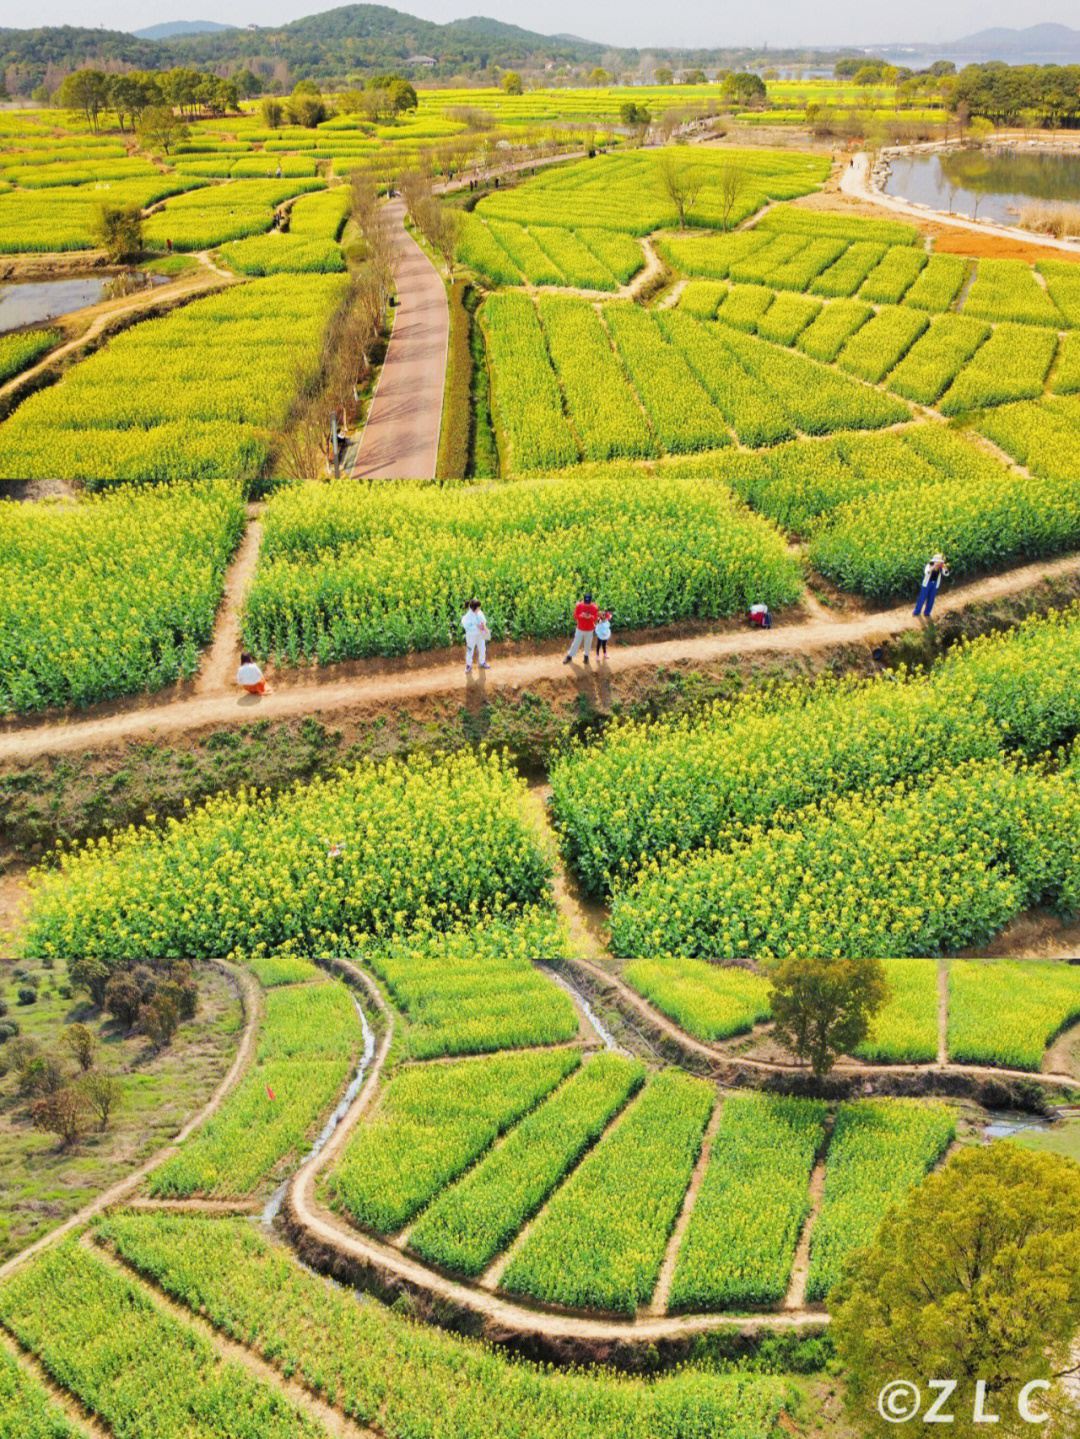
<point>591,624</point>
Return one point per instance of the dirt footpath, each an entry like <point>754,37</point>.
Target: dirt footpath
<point>401,438</point>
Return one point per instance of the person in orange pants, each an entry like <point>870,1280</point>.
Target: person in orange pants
<point>249,676</point>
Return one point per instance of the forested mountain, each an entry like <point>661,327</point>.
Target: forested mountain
<point>351,40</point>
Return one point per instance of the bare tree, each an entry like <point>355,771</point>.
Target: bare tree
<point>667,124</point>
<point>443,235</point>
<point>730,182</point>
<point>680,181</point>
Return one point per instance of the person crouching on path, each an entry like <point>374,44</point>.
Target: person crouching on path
<point>586,615</point>
<point>476,635</point>
<point>249,676</point>
<point>603,634</point>
<point>935,572</point>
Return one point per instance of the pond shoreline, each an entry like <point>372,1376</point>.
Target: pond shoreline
<point>862,182</point>
<point>1007,149</point>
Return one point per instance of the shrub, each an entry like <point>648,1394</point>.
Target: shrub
<point>62,1114</point>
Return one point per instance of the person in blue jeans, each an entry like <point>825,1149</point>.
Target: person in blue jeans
<point>935,571</point>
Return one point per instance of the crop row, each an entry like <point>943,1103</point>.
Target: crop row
<point>232,211</point>
<point>111,595</point>
<point>897,870</point>
<point>432,1122</point>
<point>419,844</point>
<point>935,360</point>
<point>1008,290</point>
<point>283,254</point>
<point>879,1149</point>
<point>308,1042</point>
<point>19,352</point>
<point>734,765</point>
<point>766,393</point>
<point>753,1201</point>
<point>365,1358</point>
<point>26,1410</point>
<point>143,1373</point>
<point>1012,365</point>
<point>626,191</point>
<point>600,1243</point>
<point>187,396</point>
<point>1044,436</point>
<point>475,989</point>
<point>711,1001</point>
<point>526,393</point>
<point>998,1013</point>
<point>332,581</point>
<point>62,219</point>
<point>798,485</point>
<point>470,1222</point>
<point>604,409</point>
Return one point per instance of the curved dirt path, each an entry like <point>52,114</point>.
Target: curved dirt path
<point>730,1067</point>
<point>421,677</point>
<point>855,181</point>
<point>400,440</point>
<point>251,996</point>
<point>331,1246</point>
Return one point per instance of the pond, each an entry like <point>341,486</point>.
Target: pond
<point>33,301</point>
<point>1010,1123</point>
<point>993,183</point>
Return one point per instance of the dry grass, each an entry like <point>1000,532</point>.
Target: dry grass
<point>1056,220</point>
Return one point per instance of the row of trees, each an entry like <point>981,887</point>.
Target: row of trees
<point>1004,94</point>
<point>130,95</point>
<point>351,345</point>
<point>384,97</point>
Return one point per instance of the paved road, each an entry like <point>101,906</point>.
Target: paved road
<point>401,437</point>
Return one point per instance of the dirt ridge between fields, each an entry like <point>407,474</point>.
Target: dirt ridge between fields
<point>426,677</point>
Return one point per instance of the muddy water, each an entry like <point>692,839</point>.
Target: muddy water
<point>34,301</point>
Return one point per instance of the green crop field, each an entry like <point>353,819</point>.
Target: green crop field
<point>519,1129</point>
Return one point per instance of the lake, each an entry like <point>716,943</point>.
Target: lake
<point>988,182</point>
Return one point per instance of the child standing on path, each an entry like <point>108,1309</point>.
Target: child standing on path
<point>603,634</point>
<point>586,615</point>
<point>935,572</point>
<point>476,635</point>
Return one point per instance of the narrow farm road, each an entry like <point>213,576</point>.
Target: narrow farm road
<point>425,677</point>
<point>400,440</point>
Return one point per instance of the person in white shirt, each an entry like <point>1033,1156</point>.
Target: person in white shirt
<point>476,635</point>
<point>935,571</point>
<point>249,676</point>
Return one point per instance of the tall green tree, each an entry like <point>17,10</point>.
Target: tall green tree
<point>823,1008</point>
<point>86,90</point>
<point>976,1277</point>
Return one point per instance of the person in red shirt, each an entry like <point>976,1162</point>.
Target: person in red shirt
<point>586,615</point>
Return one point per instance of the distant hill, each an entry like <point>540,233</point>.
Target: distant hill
<point>349,41</point>
<point>1043,44</point>
<point>173,28</point>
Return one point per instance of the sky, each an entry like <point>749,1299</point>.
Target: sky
<point>640,23</point>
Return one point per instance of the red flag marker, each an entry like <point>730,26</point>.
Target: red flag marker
<point>270,1094</point>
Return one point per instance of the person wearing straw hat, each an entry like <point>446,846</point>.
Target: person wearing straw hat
<point>935,571</point>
